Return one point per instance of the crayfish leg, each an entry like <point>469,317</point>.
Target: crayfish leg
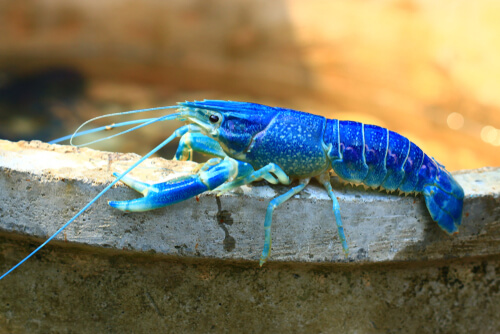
<point>198,142</point>
<point>324,179</point>
<point>272,173</point>
<point>266,252</point>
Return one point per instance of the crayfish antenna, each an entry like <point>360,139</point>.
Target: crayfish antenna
<point>102,128</point>
<point>144,122</point>
<point>179,132</point>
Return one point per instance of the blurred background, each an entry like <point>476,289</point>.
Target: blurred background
<point>428,70</point>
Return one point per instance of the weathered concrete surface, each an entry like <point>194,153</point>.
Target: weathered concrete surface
<point>70,289</point>
<point>405,274</point>
<point>44,186</point>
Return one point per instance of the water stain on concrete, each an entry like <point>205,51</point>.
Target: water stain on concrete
<point>223,218</point>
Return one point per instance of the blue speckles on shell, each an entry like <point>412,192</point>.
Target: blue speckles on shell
<point>293,141</point>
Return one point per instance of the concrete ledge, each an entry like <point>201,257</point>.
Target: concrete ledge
<point>42,186</point>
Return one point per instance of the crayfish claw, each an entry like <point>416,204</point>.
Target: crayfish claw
<point>132,183</point>
<point>209,176</point>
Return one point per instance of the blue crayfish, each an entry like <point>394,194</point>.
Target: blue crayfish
<point>252,142</point>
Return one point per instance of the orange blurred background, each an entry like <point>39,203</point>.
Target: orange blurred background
<point>428,70</point>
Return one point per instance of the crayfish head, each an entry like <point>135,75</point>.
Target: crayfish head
<point>232,124</point>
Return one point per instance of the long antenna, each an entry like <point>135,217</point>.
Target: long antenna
<point>179,132</point>
<point>110,126</point>
<point>102,128</point>
<point>119,114</point>
<point>153,120</point>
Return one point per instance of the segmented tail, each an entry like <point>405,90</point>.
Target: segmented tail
<point>444,198</point>
<point>377,157</point>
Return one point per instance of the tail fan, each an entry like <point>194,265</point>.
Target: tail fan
<point>444,199</point>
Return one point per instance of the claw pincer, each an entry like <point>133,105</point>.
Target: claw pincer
<point>213,173</point>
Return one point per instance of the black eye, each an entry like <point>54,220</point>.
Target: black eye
<point>214,118</point>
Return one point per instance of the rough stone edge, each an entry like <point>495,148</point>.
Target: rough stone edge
<point>380,226</point>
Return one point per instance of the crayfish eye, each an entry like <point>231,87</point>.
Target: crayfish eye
<point>214,118</point>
